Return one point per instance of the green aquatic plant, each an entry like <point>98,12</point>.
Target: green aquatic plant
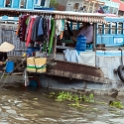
<point>89,98</point>
<point>116,104</point>
<point>77,98</point>
<point>64,96</point>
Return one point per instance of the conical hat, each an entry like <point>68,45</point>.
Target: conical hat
<point>6,47</point>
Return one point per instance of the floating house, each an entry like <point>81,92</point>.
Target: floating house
<point>83,6</point>
<point>121,7</point>
<point>92,5</point>
<point>23,4</point>
<point>111,6</point>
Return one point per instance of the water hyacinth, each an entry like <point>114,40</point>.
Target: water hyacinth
<point>68,96</point>
<point>78,100</point>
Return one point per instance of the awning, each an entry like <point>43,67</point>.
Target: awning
<point>91,19</point>
<point>75,16</point>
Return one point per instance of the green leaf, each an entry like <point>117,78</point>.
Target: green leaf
<point>91,96</point>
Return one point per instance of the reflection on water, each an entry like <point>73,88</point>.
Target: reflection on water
<point>19,106</point>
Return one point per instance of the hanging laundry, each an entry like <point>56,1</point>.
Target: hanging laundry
<point>23,27</point>
<point>40,27</point>
<point>59,26</point>
<point>39,30</point>
<point>34,35</point>
<point>29,30</point>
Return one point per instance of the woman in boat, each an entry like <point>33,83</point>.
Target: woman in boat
<point>87,31</point>
<point>3,59</point>
<point>4,48</point>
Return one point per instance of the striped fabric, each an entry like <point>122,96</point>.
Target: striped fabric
<point>91,19</point>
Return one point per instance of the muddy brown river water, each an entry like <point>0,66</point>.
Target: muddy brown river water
<point>32,106</point>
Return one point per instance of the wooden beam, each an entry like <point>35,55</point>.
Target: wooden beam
<point>83,77</point>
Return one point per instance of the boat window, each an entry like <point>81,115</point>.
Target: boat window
<point>23,4</point>
<point>107,29</point>
<point>76,6</point>
<point>99,29</point>
<point>113,28</point>
<point>8,3</point>
<point>90,9</point>
<point>42,2</point>
<point>38,2</point>
<point>120,28</point>
<point>115,10</point>
<point>96,8</point>
<point>111,10</point>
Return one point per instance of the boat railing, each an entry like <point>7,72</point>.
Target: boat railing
<point>111,34</point>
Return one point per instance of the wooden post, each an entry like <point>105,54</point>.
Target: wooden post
<point>94,36</point>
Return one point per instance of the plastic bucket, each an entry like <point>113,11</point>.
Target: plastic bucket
<point>81,43</point>
<point>9,66</point>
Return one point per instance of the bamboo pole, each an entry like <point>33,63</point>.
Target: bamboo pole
<point>94,36</point>
<point>55,44</point>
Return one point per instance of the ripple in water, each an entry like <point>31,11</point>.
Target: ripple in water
<point>18,106</point>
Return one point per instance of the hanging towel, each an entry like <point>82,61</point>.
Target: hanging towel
<point>58,27</point>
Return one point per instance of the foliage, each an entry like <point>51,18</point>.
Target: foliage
<point>53,3</point>
<point>62,96</point>
<point>116,104</point>
<point>78,99</point>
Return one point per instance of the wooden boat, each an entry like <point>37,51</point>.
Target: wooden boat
<point>104,51</point>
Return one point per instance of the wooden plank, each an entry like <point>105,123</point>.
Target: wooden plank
<point>77,68</point>
<point>76,76</point>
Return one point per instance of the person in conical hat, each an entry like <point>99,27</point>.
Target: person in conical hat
<point>4,48</point>
<point>3,58</point>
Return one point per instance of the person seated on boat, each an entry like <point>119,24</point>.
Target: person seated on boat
<point>87,31</point>
<point>4,48</point>
<point>3,59</point>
